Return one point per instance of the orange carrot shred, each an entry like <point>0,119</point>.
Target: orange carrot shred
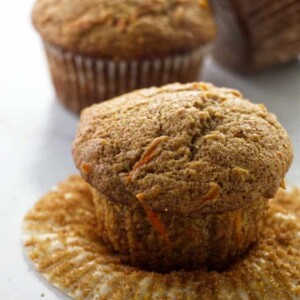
<point>141,197</point>
<point>203,4</point>
<point>155,221</point>
<point>152,216</point>
<point>147,156</point>
<point>212,194</point>
<point>85,168</point>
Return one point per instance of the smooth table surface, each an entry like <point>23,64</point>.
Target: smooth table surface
<point>36,135</point>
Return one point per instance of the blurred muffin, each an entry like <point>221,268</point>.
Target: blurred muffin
<point>255,35</point>
<point>100,49</point>
<point>182,173</point>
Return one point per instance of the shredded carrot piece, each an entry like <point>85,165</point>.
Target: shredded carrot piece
<point>212,194</point>
<point>203,3</point>
<point>141,197</point>
<point>147,156</point>
<point>140,163</point>
<point>152,216</point>
<point>155,221</point>
<point>85,168</point>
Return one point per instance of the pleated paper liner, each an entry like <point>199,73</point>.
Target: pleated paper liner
<point>257,35</point>
<point>61,241</point>
<point>81,81</point>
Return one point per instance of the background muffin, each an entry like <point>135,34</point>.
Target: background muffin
<point>99,49</point>
<point>182,173</point>
<point>255,35</point>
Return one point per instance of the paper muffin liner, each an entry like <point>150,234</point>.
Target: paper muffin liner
<point>81,81</point>
<point>61,241</point>
<point>166,242</point>
<point>254,36</point>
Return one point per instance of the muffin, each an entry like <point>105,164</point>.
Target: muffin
<point>99,49</point>
<point>256,35</point>
<point>181,174</point>
<point>61,242</point>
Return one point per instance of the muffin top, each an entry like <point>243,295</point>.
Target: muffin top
<point>182,149</point>
<point>119,29</point>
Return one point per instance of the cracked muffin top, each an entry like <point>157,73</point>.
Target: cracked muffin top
<point>125,29</point>
<point>182,149</point>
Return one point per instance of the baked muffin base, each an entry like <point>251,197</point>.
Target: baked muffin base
<point>81,81</point>
<point>165,242</point>
<point>60,239</point>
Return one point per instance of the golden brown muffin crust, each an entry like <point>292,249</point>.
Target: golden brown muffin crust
<point>182,148</point>
<point>120,29</point>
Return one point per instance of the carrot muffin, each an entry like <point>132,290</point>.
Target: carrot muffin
<point>61,241</point>
<point>99,49</point>
<point>182,174</point>
<point>255,35</point>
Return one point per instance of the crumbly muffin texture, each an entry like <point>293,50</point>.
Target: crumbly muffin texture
<point>182,148</point>
<point>120,29</point>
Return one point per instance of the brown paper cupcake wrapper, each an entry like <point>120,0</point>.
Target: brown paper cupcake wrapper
<point>163,242</point>
<point>81,81</point>
<point>60,238</point>
<point>256,36</point>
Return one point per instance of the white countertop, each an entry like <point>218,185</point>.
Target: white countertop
<point>36,135</point>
